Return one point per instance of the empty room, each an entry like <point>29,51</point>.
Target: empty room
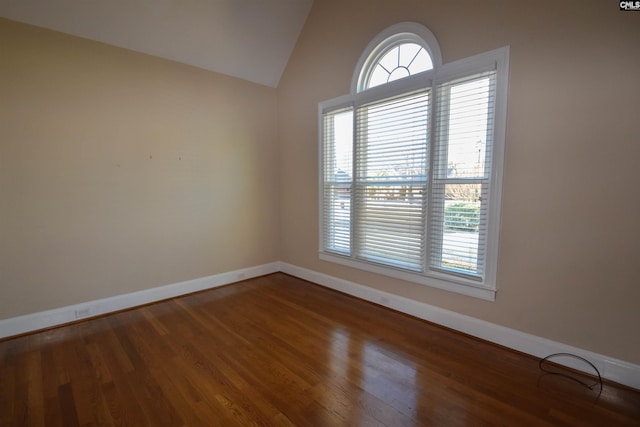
<point>319,213</point>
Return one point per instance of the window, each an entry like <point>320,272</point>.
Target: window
<point>411,164</point>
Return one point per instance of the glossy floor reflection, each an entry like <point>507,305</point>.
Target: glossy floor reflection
<point>280,351</point>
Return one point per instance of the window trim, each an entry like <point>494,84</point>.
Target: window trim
<point>497,59</point>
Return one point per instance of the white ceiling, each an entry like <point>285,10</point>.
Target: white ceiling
<point>248,39</point>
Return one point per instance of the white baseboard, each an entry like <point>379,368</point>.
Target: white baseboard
<point>59,316</point>
<point>612,369</point>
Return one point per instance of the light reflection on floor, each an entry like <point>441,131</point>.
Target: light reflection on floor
<point>391,379</point>
<point>363,366</point>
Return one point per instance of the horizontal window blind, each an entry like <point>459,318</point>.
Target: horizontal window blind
<point>337,180</point>
<point>391,180</point>
<point>463,151</point>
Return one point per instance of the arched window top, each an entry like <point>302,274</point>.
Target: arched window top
<point>399,51</point>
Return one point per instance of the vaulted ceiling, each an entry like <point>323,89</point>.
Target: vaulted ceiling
<point>248,39</point>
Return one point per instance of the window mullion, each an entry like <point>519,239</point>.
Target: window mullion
<point>355,182</point>
<point>439,132</point>
<point>433,111</point>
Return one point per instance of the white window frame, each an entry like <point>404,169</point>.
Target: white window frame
<point>497,59</point>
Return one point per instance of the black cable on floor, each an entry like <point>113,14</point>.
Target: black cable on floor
<point>562,374</point>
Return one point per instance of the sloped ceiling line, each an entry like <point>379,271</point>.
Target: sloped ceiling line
<point>248,39</point>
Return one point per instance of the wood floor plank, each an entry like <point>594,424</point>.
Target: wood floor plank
<point>281,351</point>
<point>68,406</point>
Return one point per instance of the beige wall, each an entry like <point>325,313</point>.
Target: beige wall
<point>121,172</point>
<point>569,265</point>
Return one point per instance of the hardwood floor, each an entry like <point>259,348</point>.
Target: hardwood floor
<point>280,351</point>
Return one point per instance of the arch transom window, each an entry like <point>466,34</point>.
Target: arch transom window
<point>400,51</point>
<point>400,61</point>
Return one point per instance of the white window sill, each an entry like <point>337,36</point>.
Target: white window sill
<point>433,279</point>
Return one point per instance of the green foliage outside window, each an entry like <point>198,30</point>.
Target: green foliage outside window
<point>462,217</point>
